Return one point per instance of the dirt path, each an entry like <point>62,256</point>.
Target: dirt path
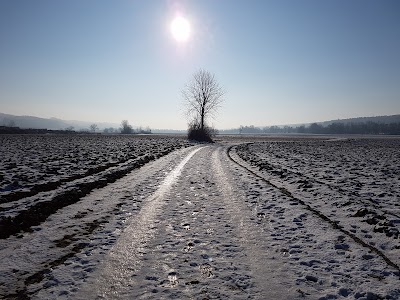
<point>193,239</point>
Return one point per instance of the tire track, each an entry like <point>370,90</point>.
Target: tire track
<point>193,239</point>
<point>318,213</point>
<point>115,277</point>
<point>196,252</point>
<point>72,242</point>
<point>338,189</point>
<point>266,273</point>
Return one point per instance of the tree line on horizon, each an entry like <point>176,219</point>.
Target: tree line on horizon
<point>333,128</point>
<point>126,128</point>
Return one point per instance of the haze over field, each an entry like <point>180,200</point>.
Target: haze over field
<point>280,62</point>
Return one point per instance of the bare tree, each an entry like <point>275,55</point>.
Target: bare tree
<point>125,127</point>
<point>94,127</point>
<point>203,96</point>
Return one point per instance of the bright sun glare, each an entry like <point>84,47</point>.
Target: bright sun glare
<point>180,29</point>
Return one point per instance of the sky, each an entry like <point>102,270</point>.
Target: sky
<point>279,62</point>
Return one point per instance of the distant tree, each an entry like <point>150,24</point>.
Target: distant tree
<point>287,129</point>
<point>315,128</point>
<point>109,130</point>
<point>337,128</point>
<point>70,128</point>
<point>125,127</point>
<point>11,123</point>
<point>202,96</point>
<point>274,129</point>
<point>250,129</point>
<point>301,129</point>
<point>93,127</point>
<point>146,130</point>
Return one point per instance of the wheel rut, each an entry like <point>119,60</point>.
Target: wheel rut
<point>204,227</point>
<point>193,240</point>
<point>321,215</point>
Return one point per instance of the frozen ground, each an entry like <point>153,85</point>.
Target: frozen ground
<point>40,174</point>
<point>217,222</point>
<point>35,163</point>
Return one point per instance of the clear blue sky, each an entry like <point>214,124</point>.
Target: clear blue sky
<point>281,62</point>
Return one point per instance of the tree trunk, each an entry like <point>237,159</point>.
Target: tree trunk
<point>204,102</point>
<point>202,119</point>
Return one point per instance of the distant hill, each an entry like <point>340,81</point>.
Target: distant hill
<point>380,119</point>
<point>52,123</point>
<point>386,124</point>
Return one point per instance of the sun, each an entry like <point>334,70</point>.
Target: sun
<point>180,29</point>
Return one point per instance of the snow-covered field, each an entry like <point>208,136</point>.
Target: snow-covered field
<point>159,218</point>
<point>40,174</point>
<point>351,184</point>
<point>35,163</point>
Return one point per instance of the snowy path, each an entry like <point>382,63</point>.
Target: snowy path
<point>191,225</point>
<point>192,240</point>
